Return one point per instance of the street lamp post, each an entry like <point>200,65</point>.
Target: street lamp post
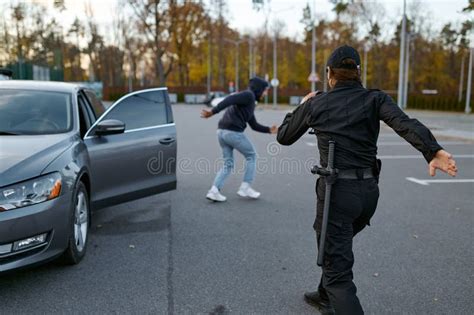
<point>275,86</point>
<point>461,79</point>
<point>365,65</point>
<point>236,43</point>
<point>325,75</point>
<point>209,62</point>
<point>237,67</point>
<point>313,50</point>
<point>254,60</point>
<point>130,72</point>
<point>402,59</point>
<point>251,71</point>
<point>407,63</point>
<point>313,57</point>
<point>467,110</point>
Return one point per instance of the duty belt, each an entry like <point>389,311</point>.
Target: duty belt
<point>356,173</point>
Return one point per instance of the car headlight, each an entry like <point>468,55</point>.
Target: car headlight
<point>30,192</point>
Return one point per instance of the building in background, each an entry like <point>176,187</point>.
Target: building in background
<point>30,71</point>
<point>5,74</point>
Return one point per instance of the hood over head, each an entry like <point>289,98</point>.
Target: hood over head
<point>258,85</point>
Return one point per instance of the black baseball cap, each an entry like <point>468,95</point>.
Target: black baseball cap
<point>342,53</point>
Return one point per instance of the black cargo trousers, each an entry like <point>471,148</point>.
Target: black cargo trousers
<point>353,203</point>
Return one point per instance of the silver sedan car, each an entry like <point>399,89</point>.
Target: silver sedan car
<point>62,155</point>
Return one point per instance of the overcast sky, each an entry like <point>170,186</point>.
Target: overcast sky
<point>243,17</point>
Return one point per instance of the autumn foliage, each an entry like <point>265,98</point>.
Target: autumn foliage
<point>179,43</point>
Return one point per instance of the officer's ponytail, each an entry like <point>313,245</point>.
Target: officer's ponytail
<point>350,73</point>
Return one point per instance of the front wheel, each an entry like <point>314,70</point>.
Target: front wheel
<point>78,227</point>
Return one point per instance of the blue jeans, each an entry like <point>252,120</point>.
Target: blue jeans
<point>230,140</point>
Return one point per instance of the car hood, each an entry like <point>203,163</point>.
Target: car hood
<point>24,157</point>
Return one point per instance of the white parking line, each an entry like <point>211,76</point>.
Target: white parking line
<point>419,156</point>
<point>390,135</point>
<point>406,143</point>
<point>400,143</point>
<point>426,182</point>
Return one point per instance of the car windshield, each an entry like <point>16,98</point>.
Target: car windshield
<point>28,112</point>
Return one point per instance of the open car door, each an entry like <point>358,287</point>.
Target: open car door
<point>132,148</point>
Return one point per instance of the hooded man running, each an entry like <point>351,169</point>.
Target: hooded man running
<point>230,133</point>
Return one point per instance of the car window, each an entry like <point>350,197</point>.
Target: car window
<point>168,107</point>
<point>87,106</point>
<point>145,109</point>
<point>97,105</point>
<point>33,112</point>
<point>85,119</point>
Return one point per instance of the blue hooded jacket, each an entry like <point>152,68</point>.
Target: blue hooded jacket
<point>240,108</point>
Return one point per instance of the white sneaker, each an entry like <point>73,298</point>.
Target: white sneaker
<point>214,195</point>
<point>246,191</point>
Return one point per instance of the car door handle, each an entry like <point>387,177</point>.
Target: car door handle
<point>167,141</point>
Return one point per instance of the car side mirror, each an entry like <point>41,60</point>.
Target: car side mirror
<point>109,127</point>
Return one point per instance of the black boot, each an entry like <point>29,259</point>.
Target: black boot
<point>324,306</point>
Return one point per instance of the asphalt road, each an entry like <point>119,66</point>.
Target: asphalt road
<point>178,253</point>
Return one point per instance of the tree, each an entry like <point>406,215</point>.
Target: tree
<point>307,20</point>
<point>258,4</point>
<point>111,61</point>
<point>155,22</point>
<point>221,25</point>
<point>465,33</point>
<point>95,45</point>
<point>470,7</point>
<point>189,30</point>
<point>5,53</point>
<point>46,37</point>
<point>339,6</point>
<point>77,29</point>
<point>59,5</point>
<point>73,52</point>
<point>18,16</point>
<point>72,63</point>
<point>263,5</point>
<point>449,38</point>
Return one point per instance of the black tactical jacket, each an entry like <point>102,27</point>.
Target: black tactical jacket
<point>350,115</point>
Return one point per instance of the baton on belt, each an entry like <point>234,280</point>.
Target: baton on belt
<point>330,175</point>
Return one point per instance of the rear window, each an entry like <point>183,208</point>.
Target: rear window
<point>97,105</point>
<point>141,110</point>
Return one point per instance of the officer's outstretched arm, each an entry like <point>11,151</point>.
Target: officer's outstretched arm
<point>295,124</point>
<point>408,128</point>
<point>418,135</point>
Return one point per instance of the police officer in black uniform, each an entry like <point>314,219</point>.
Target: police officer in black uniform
<point>350,115</point>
